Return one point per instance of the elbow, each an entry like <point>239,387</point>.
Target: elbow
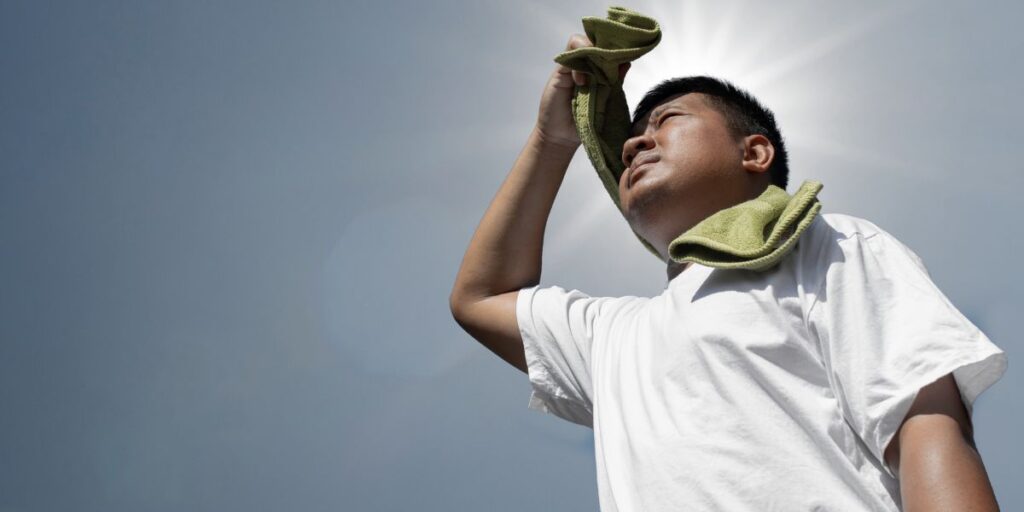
<point>462,298</point>
<point>459,297</point>
<point>457,303</point>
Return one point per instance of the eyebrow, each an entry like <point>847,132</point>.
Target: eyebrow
<point>654,113</point>
<point>657,111</point>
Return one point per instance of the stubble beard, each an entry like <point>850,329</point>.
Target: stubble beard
<point>645,208</point>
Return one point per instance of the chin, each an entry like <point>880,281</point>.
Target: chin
<point>657,222</point>
<point>645,205</point>
<point>642,218</point>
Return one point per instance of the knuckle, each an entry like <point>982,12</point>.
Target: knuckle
<point>578,40</point>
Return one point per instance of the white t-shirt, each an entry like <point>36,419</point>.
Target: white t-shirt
<point>740,390</point>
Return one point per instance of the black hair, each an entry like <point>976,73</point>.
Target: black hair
<point>743,113</point>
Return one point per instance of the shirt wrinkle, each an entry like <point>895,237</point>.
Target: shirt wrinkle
<point>721,393</point>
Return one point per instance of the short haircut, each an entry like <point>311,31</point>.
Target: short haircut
<point>743,113</point>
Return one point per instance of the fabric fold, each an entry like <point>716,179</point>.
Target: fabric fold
<point>752,235</point>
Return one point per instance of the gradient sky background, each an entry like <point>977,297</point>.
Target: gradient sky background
<point>229,231</point>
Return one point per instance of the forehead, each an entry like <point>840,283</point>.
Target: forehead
<point>694,101</point>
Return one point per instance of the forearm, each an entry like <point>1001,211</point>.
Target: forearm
<point>505,252</point>
<point>939,470</point>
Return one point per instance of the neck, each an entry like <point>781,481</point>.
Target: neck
<point>674,268</point>
<point>703,205</point>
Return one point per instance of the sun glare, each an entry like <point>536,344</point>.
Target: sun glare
<point>773,53</point>
<point>697,41</point>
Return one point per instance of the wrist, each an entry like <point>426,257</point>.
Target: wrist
<point>548,143</point>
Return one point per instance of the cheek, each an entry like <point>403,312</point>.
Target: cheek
<point>709,152</point>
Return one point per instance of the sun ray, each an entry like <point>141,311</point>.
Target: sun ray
<point>755,39</point>
<point>873,162</point>
<point>552,20</point>
<point>725,34</point>
<point>824,46</point>
<point>582,225</point>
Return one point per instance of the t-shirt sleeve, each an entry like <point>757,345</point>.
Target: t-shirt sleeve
<point>558,328</point>
<point>885,331</point>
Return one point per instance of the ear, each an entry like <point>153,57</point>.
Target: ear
<point>758,153</point>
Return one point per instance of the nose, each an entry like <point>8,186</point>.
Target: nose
<point>634,145</point>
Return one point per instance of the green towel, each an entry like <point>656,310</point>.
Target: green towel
<point>753,235</point>
<point>599,107</point>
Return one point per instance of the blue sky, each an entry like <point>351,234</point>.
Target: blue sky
<point>230,229</point>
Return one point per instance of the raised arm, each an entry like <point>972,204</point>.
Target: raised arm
<point>504,254</point>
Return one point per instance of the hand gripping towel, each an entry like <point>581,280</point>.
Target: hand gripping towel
<point>599,107</point>
<point>752,235</point>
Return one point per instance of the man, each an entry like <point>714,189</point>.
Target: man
<point>840,379</point>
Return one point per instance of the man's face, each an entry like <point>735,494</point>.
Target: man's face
<point>682,164</point>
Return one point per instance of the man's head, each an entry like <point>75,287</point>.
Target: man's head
<point>698,145</point>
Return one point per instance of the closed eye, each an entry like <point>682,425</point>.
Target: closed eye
<point>666,115</point>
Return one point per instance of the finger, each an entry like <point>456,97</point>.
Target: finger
<point>563,73</point>
<point>578,41</point>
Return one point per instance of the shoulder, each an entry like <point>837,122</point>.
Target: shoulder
<point>841,226</point>
<point>823,237</point>
<point>834,231</point>
<point>839,237</point>
<point>559,299</point>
